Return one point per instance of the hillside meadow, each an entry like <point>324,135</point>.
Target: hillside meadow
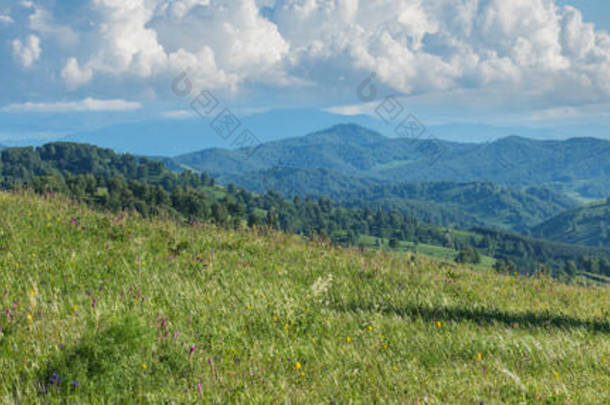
<point>100,308</point>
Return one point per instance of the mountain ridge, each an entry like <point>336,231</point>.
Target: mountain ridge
<point>578,165</point>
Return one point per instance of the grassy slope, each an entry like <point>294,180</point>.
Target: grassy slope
<point>362,326</point>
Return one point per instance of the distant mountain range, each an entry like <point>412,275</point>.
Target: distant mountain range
<point>182,132</point>
<point>350,155</point>
<point>588,225</point>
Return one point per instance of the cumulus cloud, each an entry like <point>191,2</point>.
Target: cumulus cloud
<point>88,104</point>
<point>28,51</point>
<point>6,19</point>
<point>414,46</point>
<point>74,75</point>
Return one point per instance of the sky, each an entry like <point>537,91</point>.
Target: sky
<point>69,65</point>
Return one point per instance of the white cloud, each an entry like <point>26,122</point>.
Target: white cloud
<point>43,22</point>
<point>6,19</point>
<point>177,114</point>
<point>27,52</point>
<point>73,75</point>
<point>88,104</point>
<point>535,48</point>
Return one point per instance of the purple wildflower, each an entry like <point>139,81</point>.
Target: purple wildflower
<point>199,388</point>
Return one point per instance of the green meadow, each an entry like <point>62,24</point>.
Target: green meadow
<point>105,308</point>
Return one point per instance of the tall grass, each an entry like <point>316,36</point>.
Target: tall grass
<point>103,308</point>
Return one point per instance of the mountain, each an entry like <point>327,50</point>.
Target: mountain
<point>455,204</point>
<point>466,204</point>
<point>588,225</point>
<point>171,137</point>
<point>182,132</point>
<point>580,166</point>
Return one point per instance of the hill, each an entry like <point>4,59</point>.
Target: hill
<point>114,182</point>
<point>580,166</point>
<point>588,225</point>
<point>461,205</point>
<point>264,316</point>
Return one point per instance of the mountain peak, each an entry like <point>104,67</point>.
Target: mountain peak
<point>351,131</point>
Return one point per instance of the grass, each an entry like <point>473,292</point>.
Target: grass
<point>104,308</point>
<point>442,254</point>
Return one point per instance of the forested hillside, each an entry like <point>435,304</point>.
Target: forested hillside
<point>114,182</point>
<point>443,203</point>
<point>580,166</point>
<point>588,225</point>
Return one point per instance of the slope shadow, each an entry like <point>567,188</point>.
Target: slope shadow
<point>481,316</point>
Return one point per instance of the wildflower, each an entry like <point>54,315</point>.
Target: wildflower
<point>191,353</point>
<point>479,356</point>
<point>370,328</point>
<point>274,318</point>
<point>297,366</point>
<point>54,378</point>
<point>439,324</point>
<point>211,362</point>
<point>75,384</point>
<point>556,374</point>
<point>348,339</point>
<point>199,388</point>
<point>302,374</point>
<point>74,307</point>
<point>93,303</point>
<point>29,318</point>
<point>604,361</point>
<point>286,326</point>
<point>143,366</point>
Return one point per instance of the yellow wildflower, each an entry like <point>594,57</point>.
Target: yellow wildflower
<point>370,327</point>
<point>29,318</point>
<point>302,374</point>
<point>348,339</point>
<point>439,324</point>
<point>556,374</point>
<point>143,366</point>
<point>297,366</point>
<point>74,307</point>
<point>479,356</point>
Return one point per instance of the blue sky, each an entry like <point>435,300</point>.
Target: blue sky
<point>595,11</point>
<point>68,66</point>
